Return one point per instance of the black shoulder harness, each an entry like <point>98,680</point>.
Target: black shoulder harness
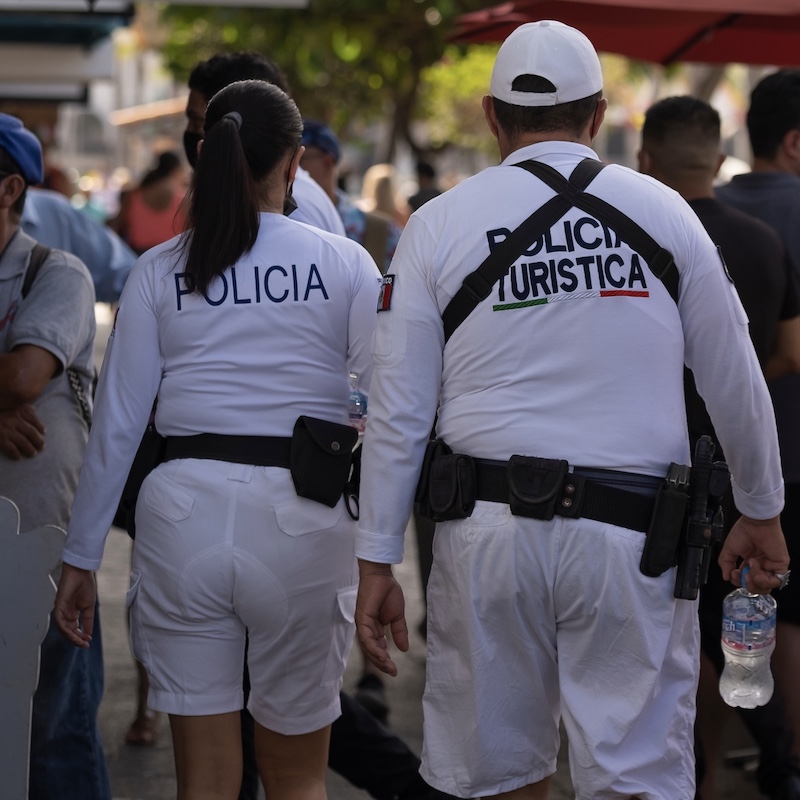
<point>477,286</point>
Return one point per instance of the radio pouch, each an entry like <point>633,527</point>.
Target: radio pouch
<point>319,459</point>
<point>663,537</point>
<point>534,485</point>
<point>452,487</point>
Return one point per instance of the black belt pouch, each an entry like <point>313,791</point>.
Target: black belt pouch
<point>452,487</point>
<point>320,458</point>
<point>664,533</point>
<point>149,455</point>
<point>534,484</point>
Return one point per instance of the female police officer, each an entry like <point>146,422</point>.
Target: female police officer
<point>239,327</point>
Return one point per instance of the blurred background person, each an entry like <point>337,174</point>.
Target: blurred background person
<point>771,192</point>
<point>681,148</point>
<point>379,193</point>
<point>151,212</point>
<point>427,188</point>
<point>375,231</point>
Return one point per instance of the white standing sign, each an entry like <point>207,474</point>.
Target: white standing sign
<point>27,593</point>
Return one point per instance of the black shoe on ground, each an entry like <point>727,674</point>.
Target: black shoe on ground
<point>370,692</point>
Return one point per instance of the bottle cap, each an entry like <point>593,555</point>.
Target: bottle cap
<point>745,570</point>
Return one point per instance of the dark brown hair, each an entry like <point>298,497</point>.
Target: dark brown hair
<point>250,127</point>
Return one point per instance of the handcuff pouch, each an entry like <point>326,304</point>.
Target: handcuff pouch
<point>534,485</point>
<point>320,457</point>
<point>452,487</point>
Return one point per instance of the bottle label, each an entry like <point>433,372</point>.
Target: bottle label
<point>748,635</point>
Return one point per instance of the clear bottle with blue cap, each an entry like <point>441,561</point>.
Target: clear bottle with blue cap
<point>748,639</point>
<point>357,405</point>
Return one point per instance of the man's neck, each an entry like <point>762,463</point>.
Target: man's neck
<point>508,146</point>
<point>8,228</point>
<point>777,164</point>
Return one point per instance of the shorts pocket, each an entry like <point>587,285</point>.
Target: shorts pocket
<point>165,497</point>
<point>298,516</point>
<point>342,634</point>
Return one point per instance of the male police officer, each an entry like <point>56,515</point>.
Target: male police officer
<point>538,608</point>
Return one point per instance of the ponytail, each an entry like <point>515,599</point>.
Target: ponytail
<point>250,126</point>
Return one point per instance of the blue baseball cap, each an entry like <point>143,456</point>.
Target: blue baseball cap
<point>318,134</point>
<point>23,147</point>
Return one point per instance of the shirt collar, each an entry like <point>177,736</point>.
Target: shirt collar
<point>550,151</point>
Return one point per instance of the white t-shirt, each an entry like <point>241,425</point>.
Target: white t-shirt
<point>273,338</point>
<point>577,353</point>
<point>314,207</point>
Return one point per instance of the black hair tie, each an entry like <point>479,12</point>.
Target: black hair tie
<point>236,117</point>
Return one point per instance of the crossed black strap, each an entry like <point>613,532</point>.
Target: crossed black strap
<point>477,286</point>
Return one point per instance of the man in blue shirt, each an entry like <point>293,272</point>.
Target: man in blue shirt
<point>53,221</point>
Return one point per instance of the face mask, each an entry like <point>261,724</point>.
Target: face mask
<point>289,204</point>
<point>190,142</point>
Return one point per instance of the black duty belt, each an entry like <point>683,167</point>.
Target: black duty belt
<point>577,496</point>
<point>260,451</point>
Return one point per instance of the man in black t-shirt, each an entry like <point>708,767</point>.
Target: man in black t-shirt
<point>680,147</point>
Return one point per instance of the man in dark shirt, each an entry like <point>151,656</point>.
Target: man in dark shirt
<point>680,147</point>
<point>771,192</point>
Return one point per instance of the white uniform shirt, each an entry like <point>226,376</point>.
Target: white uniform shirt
<point>577,353</point>
<point>314,207</point>
<point>274,338</point>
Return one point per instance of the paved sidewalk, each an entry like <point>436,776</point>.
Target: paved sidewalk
<point>147,773</point>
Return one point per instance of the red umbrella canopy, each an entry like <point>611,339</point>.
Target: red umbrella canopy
<point>663,31</point>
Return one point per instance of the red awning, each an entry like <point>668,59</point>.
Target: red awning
<point>663,31</point>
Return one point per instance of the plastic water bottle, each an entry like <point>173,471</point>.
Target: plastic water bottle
<point>357,405</point>
<point>748,639</point>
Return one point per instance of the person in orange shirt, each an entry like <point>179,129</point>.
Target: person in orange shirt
<point>152,212</point>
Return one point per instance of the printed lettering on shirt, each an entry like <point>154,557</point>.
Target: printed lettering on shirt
<point>257,284</point>
<point>538,279</point>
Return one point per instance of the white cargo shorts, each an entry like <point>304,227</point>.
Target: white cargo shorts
<point>227,549</point>
<point>531,622</point>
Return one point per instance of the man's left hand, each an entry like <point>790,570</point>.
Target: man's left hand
<point>758,544</point>
<point>380,603</point>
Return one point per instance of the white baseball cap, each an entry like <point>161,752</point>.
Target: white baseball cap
<point>551,50</point>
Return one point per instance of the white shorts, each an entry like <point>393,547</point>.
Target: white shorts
<point>222,549</point>
<point>529,621</point>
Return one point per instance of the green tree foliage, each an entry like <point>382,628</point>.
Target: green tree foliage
<point>348,61</point>
<point>450,98</point>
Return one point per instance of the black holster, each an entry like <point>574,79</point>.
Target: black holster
<point>661,544</point>
<point>321,453</point>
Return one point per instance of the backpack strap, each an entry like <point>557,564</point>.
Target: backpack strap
<point>39,255</point>
<point>477,286</point>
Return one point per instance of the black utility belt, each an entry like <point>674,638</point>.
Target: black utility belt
<point>544,488</point>
<point>318,454</point>
<point>260,451</point>
<point>540,488</point>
